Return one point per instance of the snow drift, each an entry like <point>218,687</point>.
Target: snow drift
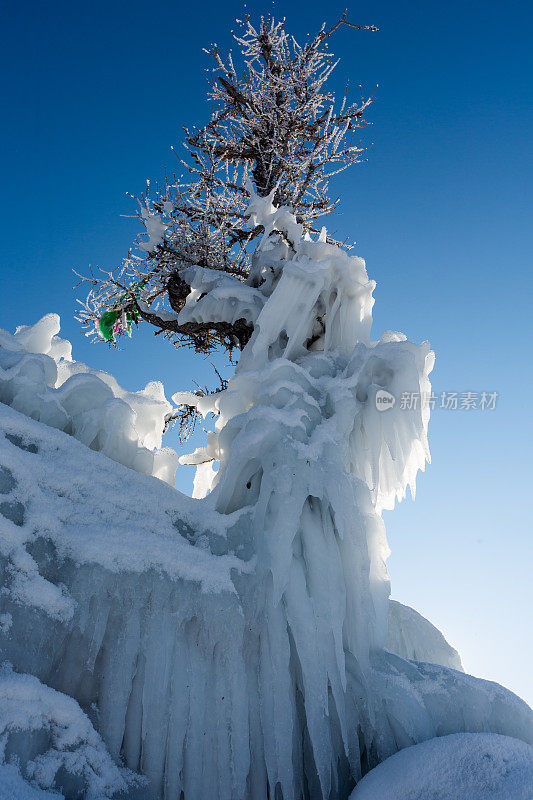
<point>232,646</point>
<point>461,766</point>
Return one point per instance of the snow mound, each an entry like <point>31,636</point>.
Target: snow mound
<point>412,636</point>
<point>420,700</point>
<point>14,787</point>
<point>462,766</point>
<point>39,378</point>
<point>53,741</point>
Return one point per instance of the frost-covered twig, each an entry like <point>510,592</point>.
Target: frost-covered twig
<point>274,127</point>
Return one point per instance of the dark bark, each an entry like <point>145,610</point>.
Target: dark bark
<point>204,336</point>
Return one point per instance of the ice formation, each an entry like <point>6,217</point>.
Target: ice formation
<point>144,606</point>
<point>39,378</point>
<point>61,749</point>
<point>234,646</point>
<point>480,766</point>
<point>412,636</point>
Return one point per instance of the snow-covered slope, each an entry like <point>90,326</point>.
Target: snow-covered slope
<point>413,636</point>
<point>462,766</point>
<point>112,596</point>
<point>134,600</point>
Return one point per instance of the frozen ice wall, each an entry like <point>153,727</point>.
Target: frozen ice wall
<point>146,608</point>
<point>233,645</point>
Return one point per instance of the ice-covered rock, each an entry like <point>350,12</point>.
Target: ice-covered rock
<point>462,766</point>
<point>39,378</point>
<point>52,740</point>
<point>234,647</point>
<point>148,608</point>
<point>412,636</point>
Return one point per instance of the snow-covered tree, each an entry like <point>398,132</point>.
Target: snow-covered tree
<point>236,647</point>
<point>276,131</point>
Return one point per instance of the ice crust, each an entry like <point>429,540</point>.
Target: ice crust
<point>461,766</point>
<point>53,740</point>
<point>233,646</point>
<point>39,378</point>
<point>412,636</point>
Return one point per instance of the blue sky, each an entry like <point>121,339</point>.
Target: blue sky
<point>94,94</point>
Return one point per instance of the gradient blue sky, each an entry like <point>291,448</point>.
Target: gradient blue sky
<point>93,95</point>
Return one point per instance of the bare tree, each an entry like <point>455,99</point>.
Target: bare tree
<point>276,131</point>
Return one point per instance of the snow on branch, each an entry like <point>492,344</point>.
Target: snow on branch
<point>275,132</point>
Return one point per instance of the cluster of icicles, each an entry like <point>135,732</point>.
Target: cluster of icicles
<point>279,686</point>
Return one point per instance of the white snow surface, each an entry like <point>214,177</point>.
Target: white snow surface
<point>412,636</point>
<point>233,646</point>
<point>14,787</point>
<point>155,229</point>
<point>95,512</point>
<point>217,297</point>
<point>34,717</point>
<point>462,766</point>
<point>39,378</point>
